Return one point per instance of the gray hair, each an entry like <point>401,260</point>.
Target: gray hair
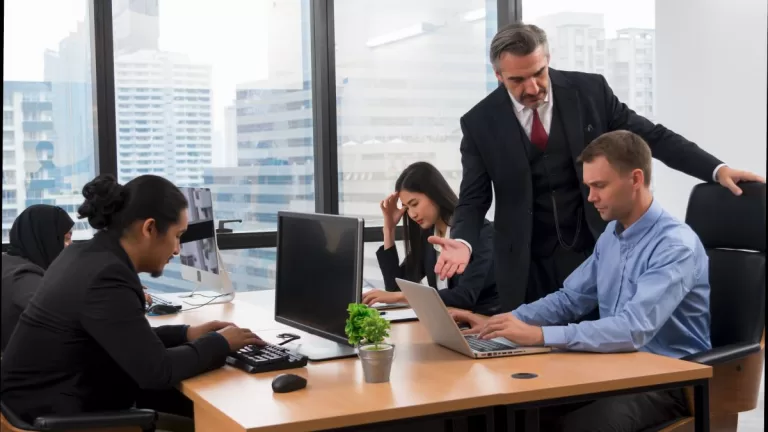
<point>518,39</point>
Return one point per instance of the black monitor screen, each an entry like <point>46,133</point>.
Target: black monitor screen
<point>319,271</point>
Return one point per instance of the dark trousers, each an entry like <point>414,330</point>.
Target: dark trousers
<point>175,412</point>
<point>628,413</point>
<point>546,274</point>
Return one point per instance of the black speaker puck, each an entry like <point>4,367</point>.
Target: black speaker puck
<point>524,375</point>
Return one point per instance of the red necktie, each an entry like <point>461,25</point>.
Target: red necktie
<point>538,133</point>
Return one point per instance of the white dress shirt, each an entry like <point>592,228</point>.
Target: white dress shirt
<point>442,284</point>
<point>525,117</point>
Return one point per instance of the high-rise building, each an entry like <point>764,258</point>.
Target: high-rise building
<point>135,25</point>
<point>68,71</point>
<point>630,69</point>
<point>576,41</point>
<point>163,117</point>
<point>32,172</point>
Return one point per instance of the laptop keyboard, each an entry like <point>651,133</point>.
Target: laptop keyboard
<point>482,345</point>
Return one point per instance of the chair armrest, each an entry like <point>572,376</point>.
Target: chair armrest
<point>723,354</point>
<point>142,418</point>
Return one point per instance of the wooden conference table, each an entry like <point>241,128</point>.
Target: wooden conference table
<point>427,381</point>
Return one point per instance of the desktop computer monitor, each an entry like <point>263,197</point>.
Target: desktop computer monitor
<point>319,273</point>
<point>200,259</point>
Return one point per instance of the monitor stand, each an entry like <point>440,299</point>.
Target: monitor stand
<point>200,298</point>
<point>316,348</point>
<point>318,351</point>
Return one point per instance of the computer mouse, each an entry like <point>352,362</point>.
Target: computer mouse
<point>286,383</point>
<point>162,309</point>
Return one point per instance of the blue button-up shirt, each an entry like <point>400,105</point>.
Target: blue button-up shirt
<point>651,283</point>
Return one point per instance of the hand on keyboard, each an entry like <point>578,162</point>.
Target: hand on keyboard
<point>239,337</point>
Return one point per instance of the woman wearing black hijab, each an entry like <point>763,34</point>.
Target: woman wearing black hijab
<point>37,237</point>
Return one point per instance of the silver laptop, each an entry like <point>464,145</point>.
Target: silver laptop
<point>443,330</point>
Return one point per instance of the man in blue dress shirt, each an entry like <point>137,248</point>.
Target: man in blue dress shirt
<point>649,276</point>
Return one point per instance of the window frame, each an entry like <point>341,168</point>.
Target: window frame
<point>325,139</point>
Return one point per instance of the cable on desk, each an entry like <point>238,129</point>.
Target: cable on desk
<point>289,337</point>
<point>193,294</point>
<point>212,298</point>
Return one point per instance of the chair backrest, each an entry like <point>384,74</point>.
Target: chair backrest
<point>10,422</point>
<point>732,229</point>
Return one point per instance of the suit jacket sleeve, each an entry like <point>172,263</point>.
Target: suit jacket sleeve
<point>389,263</point>
<point>465,294</point>
<point>475,193</point>
<point>113,315</point>
<point>172,335</point>
<point>675,151</point>
<point>26,281</point>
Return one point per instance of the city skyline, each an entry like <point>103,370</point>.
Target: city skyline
<point>228,70</point>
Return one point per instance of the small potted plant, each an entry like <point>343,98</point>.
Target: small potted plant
<point>366,329</point>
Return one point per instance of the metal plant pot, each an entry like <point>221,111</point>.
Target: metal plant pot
<point>376,362</point>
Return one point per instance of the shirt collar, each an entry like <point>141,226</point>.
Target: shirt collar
<point>638,229</point>
<point>520,107</point>
<point>447,235</point>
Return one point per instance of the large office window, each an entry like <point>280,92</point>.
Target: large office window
<point>48,142</point>
<point>219,96</point>
<point>406,72</point>
<point>614,39</point>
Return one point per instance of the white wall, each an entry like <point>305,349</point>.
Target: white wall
<point>711,85</point>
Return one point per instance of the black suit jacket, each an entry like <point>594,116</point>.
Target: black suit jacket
<point>474,290</point>
<point>83,343</point>
<point>21,278</point>
<point>493,154</point>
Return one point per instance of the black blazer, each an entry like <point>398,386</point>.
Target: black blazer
<point>84,344</point>
<point>493,154</point>
<point>21,278</point>
<point>474,290</point>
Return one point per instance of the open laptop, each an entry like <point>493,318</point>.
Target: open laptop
<point>444,331</point>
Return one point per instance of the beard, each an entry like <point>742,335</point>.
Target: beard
<point>158,273</point>
<point>529,98</point>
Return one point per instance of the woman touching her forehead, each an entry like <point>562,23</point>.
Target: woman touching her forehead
<point>428,204</point>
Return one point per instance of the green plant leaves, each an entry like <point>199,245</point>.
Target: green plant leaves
<point>365,325</point>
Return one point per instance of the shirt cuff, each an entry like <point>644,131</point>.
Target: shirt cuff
<point>554,336</point>
<point>714,173</point>
<point>465,242</point>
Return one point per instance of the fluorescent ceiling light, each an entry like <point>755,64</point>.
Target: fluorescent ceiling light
<point>399,35</point>
<point>474,15</point>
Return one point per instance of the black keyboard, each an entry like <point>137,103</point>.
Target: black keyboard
<point>482,345</point>
<point>255,359</point>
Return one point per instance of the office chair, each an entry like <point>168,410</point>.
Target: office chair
<point>732,230</point>
<point>132,420</point>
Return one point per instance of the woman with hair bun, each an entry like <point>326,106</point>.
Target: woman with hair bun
<point>83,344</point>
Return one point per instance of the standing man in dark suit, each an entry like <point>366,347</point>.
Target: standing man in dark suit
<point>524,139</point>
